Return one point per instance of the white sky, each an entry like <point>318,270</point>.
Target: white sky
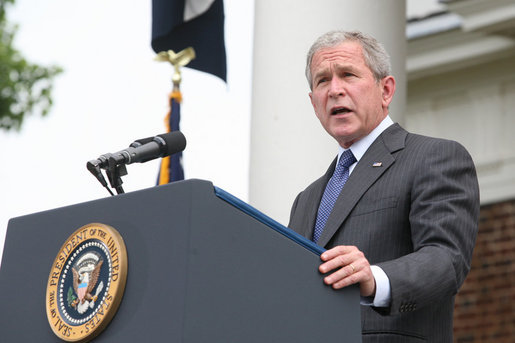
<point>111,93</point>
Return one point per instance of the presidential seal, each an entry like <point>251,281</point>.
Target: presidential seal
<point>86,283</point>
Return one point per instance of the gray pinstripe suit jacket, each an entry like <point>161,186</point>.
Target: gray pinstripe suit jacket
<point>416,217</point>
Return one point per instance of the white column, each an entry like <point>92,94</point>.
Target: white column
<point>289,148</point>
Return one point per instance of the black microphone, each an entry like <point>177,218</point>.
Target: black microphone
<point>152,148</point>
<point>141,150</point>
<point>141,141</point>
<point>160,146</point>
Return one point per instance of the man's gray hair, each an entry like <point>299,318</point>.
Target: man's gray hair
<point>375,55</point>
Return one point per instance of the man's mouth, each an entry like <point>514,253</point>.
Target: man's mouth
<point>339,110</point>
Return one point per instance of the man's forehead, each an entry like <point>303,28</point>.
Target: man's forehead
<point>348,50</point>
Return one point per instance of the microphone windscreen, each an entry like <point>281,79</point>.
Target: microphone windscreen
<point>175,142</point>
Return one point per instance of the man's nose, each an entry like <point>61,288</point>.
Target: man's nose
<point>337,87</point>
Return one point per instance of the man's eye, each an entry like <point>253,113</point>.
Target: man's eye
<point>322,80</point>
<point>348,74</point>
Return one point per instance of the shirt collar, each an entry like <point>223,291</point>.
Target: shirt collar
<point>360,147</point>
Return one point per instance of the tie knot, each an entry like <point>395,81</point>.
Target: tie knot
<point>347,159</point>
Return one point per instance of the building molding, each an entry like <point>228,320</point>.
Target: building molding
<point>461,86</point>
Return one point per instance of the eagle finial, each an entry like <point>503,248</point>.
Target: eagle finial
<point>178,60</point>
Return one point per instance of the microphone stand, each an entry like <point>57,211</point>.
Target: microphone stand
<point>114,173</point>
<point>95,169</point>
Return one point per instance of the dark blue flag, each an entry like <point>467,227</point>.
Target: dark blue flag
<point>178,24</point>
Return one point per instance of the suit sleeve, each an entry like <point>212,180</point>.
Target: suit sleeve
<point>292,211</point>
<point>443,221</point>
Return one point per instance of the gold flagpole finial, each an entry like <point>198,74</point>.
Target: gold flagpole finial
<point>178,60</point>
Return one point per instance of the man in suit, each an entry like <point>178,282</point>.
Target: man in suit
<point>398,212</point>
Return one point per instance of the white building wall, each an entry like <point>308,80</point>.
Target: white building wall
<point>476,107</point>
<point>461,72</point>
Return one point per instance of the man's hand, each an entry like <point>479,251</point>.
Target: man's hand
<point>350,266</point>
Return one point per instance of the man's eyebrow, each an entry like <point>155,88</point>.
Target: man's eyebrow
<point>338,67</point>
<point>320,73</point>
<point>346,66</point>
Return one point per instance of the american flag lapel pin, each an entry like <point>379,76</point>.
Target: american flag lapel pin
<point>377,164</point>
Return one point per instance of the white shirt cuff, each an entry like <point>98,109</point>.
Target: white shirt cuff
<point>383,291</point>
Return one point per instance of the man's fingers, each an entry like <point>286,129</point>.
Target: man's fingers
<point>340,274</point>
<point>336,251</point>
<point>336,262</point>
<point>349,280</point>
<point>347,265</point>
<point>340,256</point>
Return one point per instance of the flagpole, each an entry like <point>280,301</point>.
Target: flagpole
<point>171,166</point>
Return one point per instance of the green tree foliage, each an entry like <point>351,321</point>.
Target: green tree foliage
<point>25,88</point>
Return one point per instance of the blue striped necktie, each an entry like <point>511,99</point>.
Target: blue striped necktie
<point>332,190</point>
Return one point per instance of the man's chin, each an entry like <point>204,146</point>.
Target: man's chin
<point>345,138</point>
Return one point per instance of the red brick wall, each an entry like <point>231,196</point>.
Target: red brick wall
<point>484,310</point>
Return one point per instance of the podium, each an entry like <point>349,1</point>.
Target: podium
<point>202,267</point>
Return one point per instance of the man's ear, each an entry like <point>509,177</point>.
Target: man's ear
<point>312,103</point>
<point>388,90</point>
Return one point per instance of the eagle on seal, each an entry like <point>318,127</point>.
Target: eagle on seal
<point>84,282</point>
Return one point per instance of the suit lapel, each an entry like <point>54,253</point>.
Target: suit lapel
<point>366,172</point>
<point>317,193</point>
